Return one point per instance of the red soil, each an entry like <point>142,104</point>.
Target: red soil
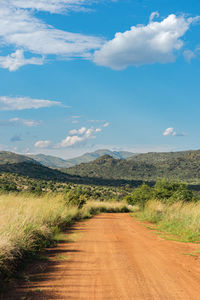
<point>115,257</point>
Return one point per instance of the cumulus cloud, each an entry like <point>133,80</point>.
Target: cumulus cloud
<point>34,42</point>
<point>22,30</point>
<point>171,132</point>
<point>16,60</point>
<point>80,131</point>
<point>43,144</point>
<point>156,42</point>
<point>75,137</point>
<point>78,136</point>
<point>20,103</point>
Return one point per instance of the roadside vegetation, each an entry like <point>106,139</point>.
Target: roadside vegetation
<point>22,184</point>
<point>172,207</point>
<point>33,212</point>
<point>30,222</point>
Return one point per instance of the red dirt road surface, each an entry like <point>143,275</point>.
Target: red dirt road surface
<point>114,257</point>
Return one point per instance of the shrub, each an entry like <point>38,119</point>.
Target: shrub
<point>167,191</point>
<point>140,195</point>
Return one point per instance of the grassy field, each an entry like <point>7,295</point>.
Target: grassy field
<point>180,219</point>
<point>29,223</point>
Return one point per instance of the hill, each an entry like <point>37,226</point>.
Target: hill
<point>26,166</point>
<point>11,158</point>
<point>184,165</point>
<point>88,157</point>
<point>51,161</point>
<point>56,162</point>
<point>106,170</point>
<point>12,163</point>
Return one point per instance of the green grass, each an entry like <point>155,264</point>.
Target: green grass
<point>182,220</point>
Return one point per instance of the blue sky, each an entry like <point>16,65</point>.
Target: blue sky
<point>79,75</point>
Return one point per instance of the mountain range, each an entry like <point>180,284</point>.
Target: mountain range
<point>22,165</point>
<point>107,170</point>
<point>183,165</point>
<point>56,162</point>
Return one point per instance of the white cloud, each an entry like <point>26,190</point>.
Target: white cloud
<point>98,130</point>
<point>171,132</point>
<point>28,123</point>
<point>79,136</point>
<point>106,124</point>
<point>156,42</point>
<point>80,131</point>
<point>20,103</point>
<point>75,137</point>
<point>71,141</point>
<point>19,28</point>
<point>35,42</point>
<point>43,144</point>
<point>153,15</point>
<point>189,55</point>
<point>75,119</point>
<point>16,60</point>
<point>52,6</point>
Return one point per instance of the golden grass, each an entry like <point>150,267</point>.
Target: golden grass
<point>112,207</point>
<point>29,223</point>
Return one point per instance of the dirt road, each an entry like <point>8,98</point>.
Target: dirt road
<point>116,257</point>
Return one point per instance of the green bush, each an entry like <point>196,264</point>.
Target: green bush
<point>167,191</point>
<point>182,194</point>
<point>164,191</point>
<point>140,195</point>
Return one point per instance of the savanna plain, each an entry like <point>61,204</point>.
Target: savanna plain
<point>75,241</point>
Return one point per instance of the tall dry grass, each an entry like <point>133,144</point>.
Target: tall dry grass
<point>29,223</point>
<point>181,219</point>
<point>109,207</point>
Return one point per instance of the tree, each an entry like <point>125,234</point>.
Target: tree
<point>140,195</point>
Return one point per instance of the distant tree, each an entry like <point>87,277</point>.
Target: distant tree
<point>8,187</point>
